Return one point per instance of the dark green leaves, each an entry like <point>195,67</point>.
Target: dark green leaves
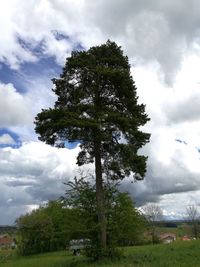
<point>96,94</point>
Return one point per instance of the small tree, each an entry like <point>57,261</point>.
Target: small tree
<point>124,222</point>
<point>153,214</point>
<point>97,106</point>
<point>127,224</point>
<point>35,232</point>
<point>63,228</point>
<point>49,228</point>
<point>193,217</point>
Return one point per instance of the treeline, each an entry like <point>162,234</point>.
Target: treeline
<point>52,226</point>
<point>7,229</point>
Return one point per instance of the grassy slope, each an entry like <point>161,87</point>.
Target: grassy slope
<point>180,254</point>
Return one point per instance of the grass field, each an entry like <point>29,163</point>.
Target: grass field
<point>178,254</point>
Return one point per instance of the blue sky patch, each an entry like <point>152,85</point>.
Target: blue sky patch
<point>35,48</point>
<point>46,67</point>
<point>8,75</point>
<point>71,145</point>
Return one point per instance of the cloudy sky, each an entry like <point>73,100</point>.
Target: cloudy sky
<point>162,41</point>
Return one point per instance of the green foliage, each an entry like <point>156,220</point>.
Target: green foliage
<point>35,232</point>
<point>124,222</point>
<point>62,225</point>
<point>81,198</point>
<point>96,100</point>
<point>48,228</point>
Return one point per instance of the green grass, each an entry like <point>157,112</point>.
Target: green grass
<point>178,254</point>
<point>53,259</point>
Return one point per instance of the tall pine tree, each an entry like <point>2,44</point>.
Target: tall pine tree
<point>97,106</point>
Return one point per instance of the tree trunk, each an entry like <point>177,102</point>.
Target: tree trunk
<point>100,194</point>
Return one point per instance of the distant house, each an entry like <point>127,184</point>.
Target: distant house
<point>185,238</point>
<point>7,242</point>
<point>167,238</point>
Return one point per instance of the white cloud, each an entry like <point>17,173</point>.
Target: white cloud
<point>32,174</point>
<point>34,160</point>
<point>148,30</point>
<point>12,52</point>
<point>18,110</point>
<point>173,166</point>
<point>34,22</point>
<point>13,107</point>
